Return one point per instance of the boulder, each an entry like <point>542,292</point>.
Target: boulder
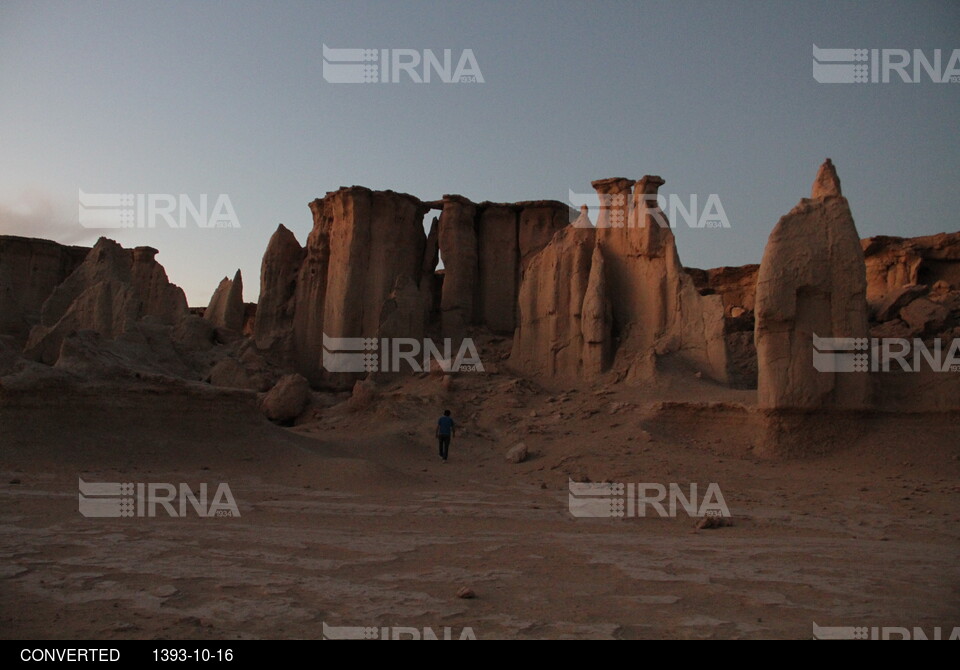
<point>287,399</point>
<point>363,396</point>
<point>517,453</point>
<point>893,328</point>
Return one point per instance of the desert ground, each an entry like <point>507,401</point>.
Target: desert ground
<point>350,519</point>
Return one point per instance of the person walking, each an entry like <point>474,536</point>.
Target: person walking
<point>446,429</point>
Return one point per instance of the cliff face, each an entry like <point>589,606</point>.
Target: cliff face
<point>369,270</point>
<point>30,270</point>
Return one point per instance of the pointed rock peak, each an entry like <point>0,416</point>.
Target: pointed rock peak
<point>583,221</point>
<point>105,243</point>
<point>281,239</point>
<point>106,251</point>
<point>827,182</point>
<point>238,277</point>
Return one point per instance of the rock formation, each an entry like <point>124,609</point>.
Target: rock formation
<point>564,330</point>
<point>642,304</point>
<point>812,281</point>
<point>361,244</point>
<point>485,249</point>
<point>226,308</point>
<point>108,293</point>
<point>895,262</point>
<point>580,301</point>
<point>30,270</point>
<point>369,270</point>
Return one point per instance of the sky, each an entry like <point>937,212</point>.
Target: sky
<point>228,98</point>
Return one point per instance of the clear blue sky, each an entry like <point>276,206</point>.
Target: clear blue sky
<point>228,97</point>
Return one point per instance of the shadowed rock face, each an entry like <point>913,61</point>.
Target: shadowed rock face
<point>108,293</point>
<point>30,269</point>
<point>458,249</point>
<point>736,286</point>
<point>485,249</point>
<point>812,281</point>
<point>278,287</point>
<point>499,273</point>
<point>621,300</point>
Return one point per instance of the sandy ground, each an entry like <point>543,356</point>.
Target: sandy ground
<point>351,520</point>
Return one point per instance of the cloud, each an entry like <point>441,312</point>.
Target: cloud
<point>36,214</point>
